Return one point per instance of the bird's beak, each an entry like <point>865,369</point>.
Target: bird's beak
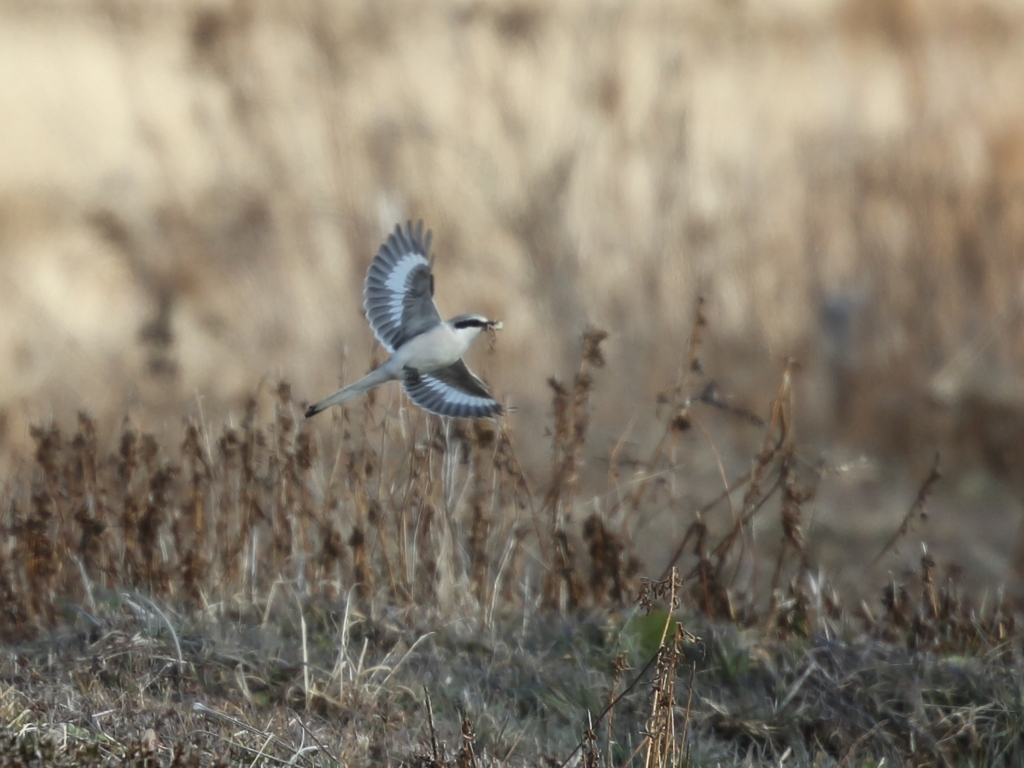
<point>495,325</point>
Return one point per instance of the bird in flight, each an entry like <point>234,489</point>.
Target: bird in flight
<point>426,351</point>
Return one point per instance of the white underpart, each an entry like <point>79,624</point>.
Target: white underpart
<point>437,348</point>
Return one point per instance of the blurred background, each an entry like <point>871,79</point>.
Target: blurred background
<point>190,194</point>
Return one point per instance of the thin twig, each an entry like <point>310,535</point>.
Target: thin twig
<point>916,509</point>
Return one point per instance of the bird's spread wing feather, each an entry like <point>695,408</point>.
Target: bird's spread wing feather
<point>399,290</point>
<point>451,391</point>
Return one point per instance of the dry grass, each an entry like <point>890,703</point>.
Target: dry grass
<point>191,192</point>
<point>395,589</point>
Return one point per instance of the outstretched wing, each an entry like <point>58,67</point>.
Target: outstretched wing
<point>399,290</point>
<point>451,391</point>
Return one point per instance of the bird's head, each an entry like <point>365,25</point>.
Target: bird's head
<point>470,325</point>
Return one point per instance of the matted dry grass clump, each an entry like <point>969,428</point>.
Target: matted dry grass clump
<point>396,590</point>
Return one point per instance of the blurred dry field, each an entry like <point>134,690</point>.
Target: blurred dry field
<point>190,193</point>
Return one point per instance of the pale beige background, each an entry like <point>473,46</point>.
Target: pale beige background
<point>190,193</point>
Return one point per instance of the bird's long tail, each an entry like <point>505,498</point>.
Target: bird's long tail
<point>369,381</point>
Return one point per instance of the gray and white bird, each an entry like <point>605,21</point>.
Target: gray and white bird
<point>426,352</point>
